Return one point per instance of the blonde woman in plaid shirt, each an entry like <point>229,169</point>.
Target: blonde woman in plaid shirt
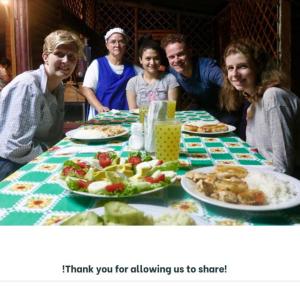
<point>32,104</point>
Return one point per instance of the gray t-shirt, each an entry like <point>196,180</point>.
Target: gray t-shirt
<point>275,128</point>
<point>158,90</point>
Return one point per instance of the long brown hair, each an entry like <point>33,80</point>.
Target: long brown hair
<point>265,68</point>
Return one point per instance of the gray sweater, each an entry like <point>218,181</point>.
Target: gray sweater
<point>275,128</point>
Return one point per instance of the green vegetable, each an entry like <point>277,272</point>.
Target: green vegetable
<point>88,218</point>
<point>89,176</point>
<point>76,184</point>
<point>143,155</point>
<point>121,213</point>
<point>70,163</point>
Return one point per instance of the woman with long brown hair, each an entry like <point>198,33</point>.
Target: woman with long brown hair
<point>273,117</point>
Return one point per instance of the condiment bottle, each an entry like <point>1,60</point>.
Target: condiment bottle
<point>136,140</point>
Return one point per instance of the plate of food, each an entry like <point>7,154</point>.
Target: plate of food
<point>207,127</point>
<point>95,133</point>
<point>120,213</point>
<point>247,188</point>
<point>107,175</point>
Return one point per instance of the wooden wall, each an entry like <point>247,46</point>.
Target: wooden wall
<point>43,17</point>
<point>6,35</point>
<point>2,31</point>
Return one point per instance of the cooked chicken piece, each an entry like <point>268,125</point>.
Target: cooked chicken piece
<point>211,178</point>
<point>234,185</point>
<point>252,197</point>
<point>225,196</point>
<point>206,187</point>
<point>195,176</point>
<point>236,171</point>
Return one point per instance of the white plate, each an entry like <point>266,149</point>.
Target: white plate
<point>190,187</point>
<point>230,127</point>
<point>72,134</point>
<point>106,196</point>
<point>154,211</point>
<point>81,149</point>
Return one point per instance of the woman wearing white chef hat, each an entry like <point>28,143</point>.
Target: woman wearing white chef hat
<point>106,78</point>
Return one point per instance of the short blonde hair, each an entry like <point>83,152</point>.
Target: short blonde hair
<point>62,37</point>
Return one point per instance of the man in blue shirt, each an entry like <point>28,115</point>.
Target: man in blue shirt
<point>201,78</point>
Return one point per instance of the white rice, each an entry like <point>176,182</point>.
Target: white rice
<point>276,191</point>
<point>89,134</point>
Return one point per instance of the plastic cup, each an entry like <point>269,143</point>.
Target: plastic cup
<point>171,108</point>
<point>167,140</point>
<point>143,110</point>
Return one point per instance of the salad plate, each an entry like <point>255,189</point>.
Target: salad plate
<point>109,176</point>
<point>158,215</point>
<point>281,191</point>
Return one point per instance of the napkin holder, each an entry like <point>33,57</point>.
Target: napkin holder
<point>157,111</point>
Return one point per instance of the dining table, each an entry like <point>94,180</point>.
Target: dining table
<point>36,195</point>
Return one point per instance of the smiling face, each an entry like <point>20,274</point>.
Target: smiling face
<point>177,56</point>
<point>150,61</point>
<point>116,45</point>
<point>61,62</point>
<point>240,73</point>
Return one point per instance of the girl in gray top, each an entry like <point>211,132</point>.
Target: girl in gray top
<point>273,118</point>
<point>151,84</point>
<point>32,104</point>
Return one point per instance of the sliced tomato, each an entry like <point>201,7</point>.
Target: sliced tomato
<point>134,160</point>
<point>80,173</point>
<point>116,187</point>
<point>155,180</point>
<point>104,162</point>
<point>67,170</point>
<point>81,164</point>
<point>82,184</point>
<point>103,155</point>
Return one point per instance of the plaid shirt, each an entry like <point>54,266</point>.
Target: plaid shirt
<point>30,116</point>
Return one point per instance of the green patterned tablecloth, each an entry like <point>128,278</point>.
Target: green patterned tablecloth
<point>34,195</point>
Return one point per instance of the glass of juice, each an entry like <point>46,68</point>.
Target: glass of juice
<point>167,139</point>
<point>143,110</point>
<point>171,108</point>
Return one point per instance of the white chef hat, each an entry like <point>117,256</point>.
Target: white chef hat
<point>113,31</point>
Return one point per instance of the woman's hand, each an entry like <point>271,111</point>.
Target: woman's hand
<point>103,109</point>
